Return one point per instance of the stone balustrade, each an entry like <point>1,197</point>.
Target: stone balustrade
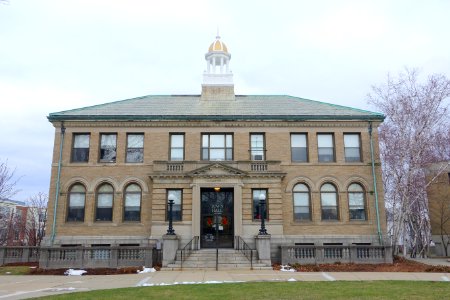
<point>365,254</point>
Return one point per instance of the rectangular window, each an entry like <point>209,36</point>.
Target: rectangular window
<point>108,146</point>
<point>258,195</point>
<point>325,143</point>
<point>257,148</point>
<point>299,147</point>
<point>80,148</point>
<point>217,147</point>
<point>177,196</point>
<point>135,148</point>
<point>352,147</point>
<point>176,146</point>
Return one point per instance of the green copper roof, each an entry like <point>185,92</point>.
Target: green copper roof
<point>190,107</point>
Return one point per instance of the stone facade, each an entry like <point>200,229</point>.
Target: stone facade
<point>218,112</point>
<point>153,177</point>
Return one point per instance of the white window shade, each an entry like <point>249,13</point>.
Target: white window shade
<point>356,199</point>
<point>177,141</point>
<point>351,140</point>
<point>81,141</point>
<point>135,141</point>
<point>328,199</point>
<point>216,141</point>
<point>132,200</point>
<point>108,140</point>
<point>325,140</point>
<point>229,139</point>
<point>76,200</point>
<point>301,199</point>
<point>298,140</point>
<point>105,200</point>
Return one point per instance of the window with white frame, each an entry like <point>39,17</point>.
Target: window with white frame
<point>352,148</point>
<point>299,147</point>
<point>77,199</point>
<point>217,146</point>
<point>135,148</point>
<point>329,202</point>
<point>108,147</point>
<point>302,204</point>
<point>356,202</point>
<point>80,147</point>
<point>325,143</point>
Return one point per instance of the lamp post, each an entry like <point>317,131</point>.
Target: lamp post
<point>171,197</point>
<point>262,205</point>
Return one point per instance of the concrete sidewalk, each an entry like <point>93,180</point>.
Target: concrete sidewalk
<point>27,286</point>
<point>432,261</point>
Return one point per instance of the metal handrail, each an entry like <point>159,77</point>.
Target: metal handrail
<point>242,246</point>
<point>188,249</point>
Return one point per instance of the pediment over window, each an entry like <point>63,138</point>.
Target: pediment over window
<point>217,170</point>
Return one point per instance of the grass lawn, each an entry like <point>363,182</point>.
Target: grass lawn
<point>15,270</point>
<point>277,290</point>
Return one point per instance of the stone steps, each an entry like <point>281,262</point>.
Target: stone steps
<point>205,259</point>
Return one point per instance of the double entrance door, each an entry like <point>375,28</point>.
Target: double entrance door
<point>217,218</point>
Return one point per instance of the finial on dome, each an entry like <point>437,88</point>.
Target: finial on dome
<point>218,35</point>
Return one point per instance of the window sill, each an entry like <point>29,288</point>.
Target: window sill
<point>302,222</point>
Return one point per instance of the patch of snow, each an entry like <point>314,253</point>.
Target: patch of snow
<point>292,279</point>
<point>286,268</point>
<point>147,270</point>
<point>67,289</point>
<point>212,281</point>
<point>7,273</point>
<point>72,272</point>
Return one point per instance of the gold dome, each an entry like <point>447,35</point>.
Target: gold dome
<point>218,46</point>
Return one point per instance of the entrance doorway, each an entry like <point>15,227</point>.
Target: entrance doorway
<point>210,200</point>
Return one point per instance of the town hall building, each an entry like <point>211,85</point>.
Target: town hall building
<point>310,169</point>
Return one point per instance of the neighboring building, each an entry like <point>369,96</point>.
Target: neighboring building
<point>13,223</point>
<point>121,161</point>
<point>439,205</point>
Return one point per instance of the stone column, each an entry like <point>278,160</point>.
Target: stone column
<point>237,210</point>
<point>263,247</point>
<point>170,247</point>
<point>196,214</point>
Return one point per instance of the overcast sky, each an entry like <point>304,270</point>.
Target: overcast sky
<point>57,55</point>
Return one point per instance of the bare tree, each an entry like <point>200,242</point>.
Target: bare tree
<point>37,219</point>
<point>414,133</point>
<point>7,181</point>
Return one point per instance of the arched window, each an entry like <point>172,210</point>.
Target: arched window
<point>104,208</point>
<point>329,201</point>
<point>132,207</point>
<point>356,203</point>
<point>77,200</point>
<point>302,206</point>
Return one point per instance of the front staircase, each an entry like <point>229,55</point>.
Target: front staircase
<point>205,259</point>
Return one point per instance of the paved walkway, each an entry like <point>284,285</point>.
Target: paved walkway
<point>27,286</point>
<point>433,261</point>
